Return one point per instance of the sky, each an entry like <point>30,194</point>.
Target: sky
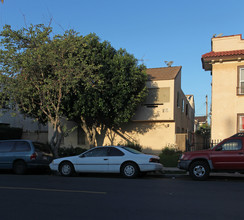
<point>152,30</point>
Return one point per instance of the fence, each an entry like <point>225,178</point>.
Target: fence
<point>206,144</point>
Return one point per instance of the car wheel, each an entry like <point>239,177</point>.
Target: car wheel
<point>66,169</point>
<point>199,170</point>
<point>19,167</point>
<point>130,170</point>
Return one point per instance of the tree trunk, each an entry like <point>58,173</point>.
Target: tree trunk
<point>90,133</point>
<point>56,140</point>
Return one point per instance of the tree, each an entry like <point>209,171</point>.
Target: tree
<point>37,72</point>
<point>69,76</point>
<point>112,96</point>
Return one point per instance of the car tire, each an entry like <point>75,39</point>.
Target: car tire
<point>130,170</point>
<point>199,170</point>
<point>66,169</point>
<point>19,167</point>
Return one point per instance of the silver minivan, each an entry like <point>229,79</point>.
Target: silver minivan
<point>22,155</point>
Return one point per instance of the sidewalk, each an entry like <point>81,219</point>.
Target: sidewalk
<point>173,170</point>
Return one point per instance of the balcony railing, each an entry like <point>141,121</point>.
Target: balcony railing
<point>240,90</point>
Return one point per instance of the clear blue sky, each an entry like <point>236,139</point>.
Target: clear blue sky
<point>153,30</point>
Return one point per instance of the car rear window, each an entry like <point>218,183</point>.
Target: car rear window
<point>132,150</point>
<point>42,147</point>
<point>22,146</point>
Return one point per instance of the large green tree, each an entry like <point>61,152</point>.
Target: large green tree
<point>112,99</point>
<point>38,71</point>
<point>69,76</point>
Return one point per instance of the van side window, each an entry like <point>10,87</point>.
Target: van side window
<point>22,146</point>
<point>6,146</point>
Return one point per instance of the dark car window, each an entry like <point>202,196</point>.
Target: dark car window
<point>231,145</point>
<point>115,152</point>
<point>6,146</point>
<point>132,150</point>
<point>97,152</point>
<point>40,147</point>
<point>22,146</point>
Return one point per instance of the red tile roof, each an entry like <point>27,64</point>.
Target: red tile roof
<point>223,53</point>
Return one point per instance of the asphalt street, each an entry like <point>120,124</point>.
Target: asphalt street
<point>112,197</point>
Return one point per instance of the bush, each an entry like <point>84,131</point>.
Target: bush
<point>169,156</point>
<point>70,151</point>
<point>7,133</point>
<point>134,146</point>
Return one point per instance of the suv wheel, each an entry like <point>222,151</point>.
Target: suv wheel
<point>199,170</point>
<point>19,167</point>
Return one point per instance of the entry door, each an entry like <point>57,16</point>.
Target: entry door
<point>229,155</point>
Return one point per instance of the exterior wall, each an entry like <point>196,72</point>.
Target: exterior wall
<point>154,123</point>
<point>226,104</point>
<point>227,43</point>
<point>184,120</point>
<point>152,136</point>
<point>32,130</point>
<point>163,111</point>
<point>16,119</point>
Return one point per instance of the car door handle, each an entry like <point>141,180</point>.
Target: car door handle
<point>240,153</point>
<point>105,159</point>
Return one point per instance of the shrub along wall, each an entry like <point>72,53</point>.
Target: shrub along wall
<point>10,133</point>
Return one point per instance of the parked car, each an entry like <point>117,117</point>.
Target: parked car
<point>21,155</point>
<point>110,159</point>
<point>227,156</point>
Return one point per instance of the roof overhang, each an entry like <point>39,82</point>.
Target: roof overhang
<point>223,56</point>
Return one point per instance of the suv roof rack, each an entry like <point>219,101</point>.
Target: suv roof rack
<point>238,135</point>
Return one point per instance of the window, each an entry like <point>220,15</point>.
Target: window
<point>115,152</point>
<point>97,152</point>
<point>183,105</point>
<point>158,96</point>
<point>131,150</point>
<point>240,123</point>
<point>240,86</point>
<point>187,109</point>
<point>6,146</point>
<point>178,100</point>
<point>231,145</point>
<point>22,146</point>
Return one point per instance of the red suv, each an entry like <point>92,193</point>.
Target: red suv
<point>227,156</point>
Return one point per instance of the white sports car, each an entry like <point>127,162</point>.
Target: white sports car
<point>110,159</point>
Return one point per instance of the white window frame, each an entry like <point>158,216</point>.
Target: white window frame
<point>241,80</point>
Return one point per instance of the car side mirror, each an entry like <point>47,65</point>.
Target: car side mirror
<point>82,155</point>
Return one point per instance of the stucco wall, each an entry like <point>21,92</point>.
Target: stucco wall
<point>152,136</point>
<point>225,102</point>
<point>227,43</point>
<point>163,111</point>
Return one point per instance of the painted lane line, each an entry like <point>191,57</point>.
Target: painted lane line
<point>51,190</point>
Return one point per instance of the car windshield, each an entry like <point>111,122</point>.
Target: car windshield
<point>132,150</point>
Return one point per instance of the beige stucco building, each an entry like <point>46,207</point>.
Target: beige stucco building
<point>226,63</point>
<point>166,118</point>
